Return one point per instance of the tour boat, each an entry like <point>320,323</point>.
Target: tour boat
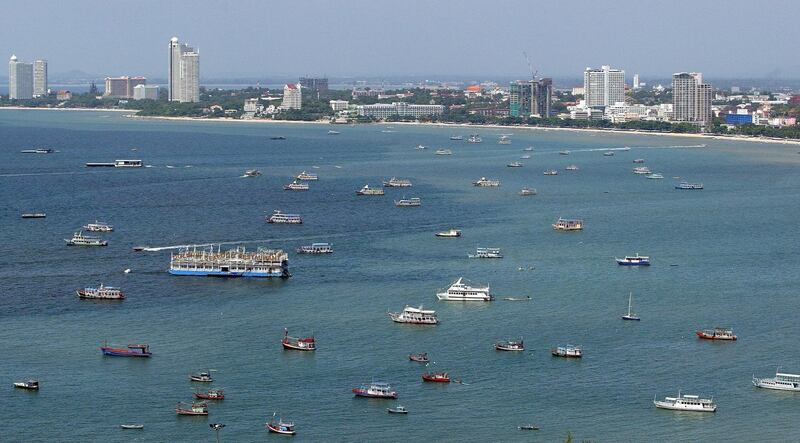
<point>419,358</point>
<point>211,394</point>
<point>456,137</point>
<point>451,233</point>
<point>436,377</point>
<point>202,377</point>
<point>571,168</point>
<point>444,152</point>
<point>528,428</point>
<point>633,260</point>
<point>34,215</point>
<point>397,410</point>
<point>527,192</point>
<point>642,170</point>
<point>306,176</point>
<point>395,182</point>
<point>127,163</point>
<point>474,138</point>
<point>689,186</point>
<point>191,409</point>
<point>298,343</point>
<point>510,345</point>
<point>654,176</point>
<point>405,202</point>
<point>638,160</point>
<point>366,190</point>
<point>568,351</point>
<point>101,293</point>
<point>781,382</point>
<point>462,291</point>
<point>252,173</point>
<point>484,182</point>
<point>316,248</point>
<point>716,334</point>
<point>486,253</point>
<point>563,224</point>
<point>689,403</point>
<point>279,217</point>
<point>78,239</point>
<point>415,316</point>
<point>630,315</point>
<point>233,263</point>
<point>515,165</point>
<point>280,427</point>
<point>296,186</point>
<point>564,152</point>
<point>31,385</point>
<point>134,350</point>
<point>504,140</point>
<point>98,227</point>
<point>551,172</point>
<point>132,426</point>
<point>375,390</point>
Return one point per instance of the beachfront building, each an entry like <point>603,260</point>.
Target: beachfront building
<point>145,92</point>
<point>691,98</point>
<point>603,87</point>
<point>184,72</point>
<point>339,105</point>
<point>401,109</point>
<point>39,78</point>
<point>20,79</point>
<point>292,97</point>
<point>122,87</point>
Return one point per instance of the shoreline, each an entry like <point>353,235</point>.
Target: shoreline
<point>25,108</point>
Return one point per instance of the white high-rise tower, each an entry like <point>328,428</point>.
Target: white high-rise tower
<point>20,79</point>
<point>184,72</point>
<point>39,78</point>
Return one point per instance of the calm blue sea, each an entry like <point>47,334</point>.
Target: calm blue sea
<point>723,256</point>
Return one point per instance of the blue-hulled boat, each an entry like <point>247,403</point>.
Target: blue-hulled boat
<point>633,260</point>
<point>128,351</point>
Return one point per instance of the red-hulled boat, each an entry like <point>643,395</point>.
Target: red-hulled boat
<point>436,377</point>
<point>717,334</point>
<point>420,358</point>
<point>298,343</point>
<point>375,390</point>
<point>191,409</point>
<point>211,394</point>
<point>129,351</point>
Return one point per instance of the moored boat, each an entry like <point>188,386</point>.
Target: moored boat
<point>633,260</point>
<point>563,224</point>
<point>689,186</point>
<point>504,140</point>
<point>415,316</point>
<point>366,190</point>
<point>456,137</point>
<point>419,358</point>
<point>30,385</point>
<point>98,227</point>
<point>642,170</point>
<point>638,160</point>
<point>486,253</point>
<point>474,138</point>
<point>567,351</point>
<point>101,293</point>
<point>609,153</point>
<point>689,403</point>
<point>316,248</point>
<point>132,426</point>
<point>78,239</point>
<point>202,377</point>
<point>443,152</point>
<point>397,410</point>
<point>571,168</point>
<point>484,182</point>
<point>306,176</point>
<point>279,217</point>
<point>191,409</point>
<point>375,390</point>
<point>395,182</point>
<point>510,345</point>
<point>527,192</point>
<point>654,176</point>
<point>630,315</point>
<point>298,343</point>
<point>405,202</point>
<point>463,291</point>
<point>34,215</point>
<point>280,427</point>
<point>717,334</point>
<point>515,165</point>
<point>296,186</point>
<point>781,382</point>
<point>550,172</point>
<point>450,233</point>
<point>211,394</point>
<point>528,427</point>
<point>436,377</point>
<point>133,350</point>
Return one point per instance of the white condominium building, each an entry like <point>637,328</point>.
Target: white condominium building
<point>39,78</point>
<point>20,79</point>
<point>292,97</point>
<point>691,98</point>
<point>382,110</point>
<point>184,72</point>
<point>604,86</point>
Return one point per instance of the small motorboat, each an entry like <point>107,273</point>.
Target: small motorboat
<point>451,233</point>
<point>202,377</point>
<point>278,137</point>
<point>528,428</point>
<point>419,358</point>
<point>528,298</point>
<point>527,192</point>
<point>138,248</point>
<point>564,153</point>
<point>191,409</point>
<point>436,377</point>
<point>397,410</point>
<point>280,427</point>
<point>132,426</point>
<point>211,394</point>
<point>30,385</point>
<point>252,173</point>
<point>510,345</point>
<point>609,153</point>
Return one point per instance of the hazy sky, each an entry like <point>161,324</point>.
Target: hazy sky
<point>730,38</point>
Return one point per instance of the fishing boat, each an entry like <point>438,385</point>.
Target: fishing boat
<point>375,390</point>
<point>30,385</point>
<point>395,182</point>
<point>456,137</point>
<point>252,173</point>
<point>436,377</point>
<point>450,233</point>
<point>296,186</point>
<point>211,394</point>
<point>133,350</point>
<point>78,239</point>
<point>202,377</point>
<point>689,403</point>
<point>366,190</point>
<point>638,160</point>
<point>279,217</point>
<point>551,172</point>
<point>725,334</point>
<point>34,215</point>
<point>419,358</point>
<point>191,409</point>
<point>563,224</point>
<point>781,382</point>
<point>415,316</point>
<point>280,427</point>
<point>571,168</point>
<point>474,138</point>
<point>238,262</point>
<point>689,186</point>
<point>642,170</point>
<point>528,428</point>
<point>132,426</point>
<point>407,202</point>
<point>609,153</point>
<point>306,176</point>
<point>98,227</point>
<point>527,192</point>
<point>397,410</point>
<point>654,176</point>
<point>486,253</point>
<point>630,315</point>
<point>101,293</point>
<point>316,248</point>
<point>484,182</point>
<point>564,153</point>
<point>298,343</point>
<point>567,351</point>
<point>515,165</point>
<point>463,291</point>
<point>443,152</point>
<point>633,260</point>
<point>510,345</point>
<point>504,140</point>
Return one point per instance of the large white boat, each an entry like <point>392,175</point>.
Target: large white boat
<point>484,182</point>
<point>417,316</point>
<point>486,253</point>
<point>781,382</point>
<point>642,170</point>
<point>366,190</point>
<point>296,186</point>
<point>395,182</point>
<point>406,202</point>
<point>101,293</point>
<point>78,239</point>
<point>306,176</point>
<point>279,217</point>
<point>563,224</point>
<point>461,291</point>
<point>98,227</point>
<point>691,403</point>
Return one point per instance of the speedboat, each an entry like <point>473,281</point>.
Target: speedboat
<point>642,170</point>
<point>436,377</point>
<point>528,149</point>
<point>421,147</point>
<point>638,160</point>
<point>717,334</point>
<point>690,403</point>
<point>132,426</point>
<point>375,390</point>
<point>332,132</point>
<point>419,358</point>
<point>280,427</point>
<point>525,157</point>
<point>450,233</point>
<point>567,351</point>
<point>191,409</point>
<point>31,385</point>
<point>202,377</point>
<point>211,394</point>
<point>298,343</point>
<point>504,140</point>
<point>510,345</point>
<point>397,410</point>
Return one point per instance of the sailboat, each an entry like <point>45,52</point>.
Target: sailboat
<point>630,315</point>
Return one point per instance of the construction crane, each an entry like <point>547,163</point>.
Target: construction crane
<point>530,66</point>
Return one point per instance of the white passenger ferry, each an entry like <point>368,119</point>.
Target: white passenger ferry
<point>484,182</point>
<point>395,182</point>
<point>563,224</point>
<point>238,262</point>
<point>127,163</point>
<point>407,202</point>
<point>417,316</point>
<point>461,291</point>
<point>279,217</point>
<point>781,382</point>
<point>691,403</point>
<point>486,253</point>
<point>101,293</point>
<point>296,186</point>
<point>306,176</point>
<point>78,239</point>
<point>316,248</point>
<point>366,190</point>
<point>98,227</point>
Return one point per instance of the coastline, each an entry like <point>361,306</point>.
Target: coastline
<point>24,108</point>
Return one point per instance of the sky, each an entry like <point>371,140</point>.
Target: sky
<point>428,38</point>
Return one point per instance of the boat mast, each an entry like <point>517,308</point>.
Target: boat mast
<point>630,297</point>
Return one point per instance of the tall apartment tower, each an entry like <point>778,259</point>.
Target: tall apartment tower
<point>635,81</point>
<point>532,97</point>
<point>184,72</point>
<point>541,97</point>
<point>603,87</point>
<point>691,98</point>
<point>39,78</point>
<point>20,79</point>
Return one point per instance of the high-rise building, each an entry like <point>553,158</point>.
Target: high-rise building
<point>292,97</point>
<point>603,87</point>
<point>519,99</point>
<point>319,86</point>
<point>635,81</point>
<point>122,87</point>
<point>184,72</point>
<point>691,98</point>
<point>20,79</point>
<point>532,97</point>
<point>542,97</point>
<point>39,78</point>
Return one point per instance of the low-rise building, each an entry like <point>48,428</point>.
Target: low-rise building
<point>145,92</point>
<point>63,95</point>
<point>366,92</point>
<point>401,109</point>
<point>122,87</point>
<point>339,105</point>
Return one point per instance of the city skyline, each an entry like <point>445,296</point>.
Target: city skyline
<point>411,40</point>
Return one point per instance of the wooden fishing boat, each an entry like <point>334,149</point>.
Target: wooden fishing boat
<point>211,394</point>
<point>436,377</point>
<point>298,343</point>
<point>420,358</point>
<point>191,409</point>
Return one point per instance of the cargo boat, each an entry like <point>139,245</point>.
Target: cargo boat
<point>264,263</point>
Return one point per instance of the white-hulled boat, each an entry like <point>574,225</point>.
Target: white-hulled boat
<point>306,176</point>
<point>571,168</point>
<point>567,351</point>
<point>630,315</point>
<point>101,293</point>
<point>31,385</point>
<point>563,224</point>
<point>691,403</point>
<point>486,253</point>
<point>416,316</point>
<point>395,182</point>
<point>528,149</point>
<point>510,345</point>
<point>654,176</point>
<point>296,186</point>
<point>484,182</point>
<point>132,426</point>
<point>461,291</point>
<point>475,138</point>
<point>564,152</point>
<point>407,202</point>
<point>444,152</point>
<point>781,382</point>
<point>78,239</point>
<point>366,190</point>
<point>98,227</point>
<point>280,427</point>
<point>504,140</point>
<point>279,217</point>
<point>421,147</point>
<point>642,170</point>
<point>551,172</point>
<point>527,192</point>
<point>515,165</point>
<point>609,153</point>
<point>450,233</point>
<point>316,248</point>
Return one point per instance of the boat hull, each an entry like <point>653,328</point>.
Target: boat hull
<point>673,407</point>
<point>363,393</point>
<point>277,430</point>
<point>113,352</point>
<point>231,274</point>
<point>705,336</point>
